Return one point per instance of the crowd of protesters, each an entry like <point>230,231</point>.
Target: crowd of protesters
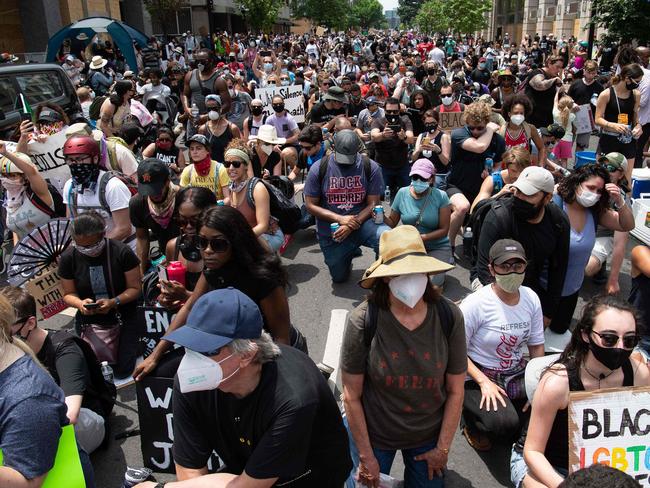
<point>178,162</point>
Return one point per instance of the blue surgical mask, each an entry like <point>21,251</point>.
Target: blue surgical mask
<point>420,186</point>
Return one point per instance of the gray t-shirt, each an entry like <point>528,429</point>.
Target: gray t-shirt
<point>239,109</point>
<point>404,385</point>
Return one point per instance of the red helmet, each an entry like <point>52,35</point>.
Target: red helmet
<point>81,145</point>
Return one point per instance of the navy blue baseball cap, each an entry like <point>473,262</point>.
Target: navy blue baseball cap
<point>216,319</point>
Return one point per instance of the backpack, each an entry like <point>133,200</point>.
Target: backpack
<point>283,208</point>
<point>503,218</point>
<point>250,122</point>
<point>111,142</point>
<point>103,390</point>
<point>101,189</point>
<point>370,320</point>
<point>95,107</point>
<point>57,200</point>
<point>523,86</point>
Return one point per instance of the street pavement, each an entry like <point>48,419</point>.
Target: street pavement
<point>312,297</point>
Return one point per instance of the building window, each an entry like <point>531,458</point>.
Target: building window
<point>181,22</point>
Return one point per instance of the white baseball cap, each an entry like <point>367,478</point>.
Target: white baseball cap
<point>534,179</point>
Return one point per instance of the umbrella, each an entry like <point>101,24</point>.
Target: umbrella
<point>38,250</point>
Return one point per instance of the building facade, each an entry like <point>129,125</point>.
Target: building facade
<point>392,18</point>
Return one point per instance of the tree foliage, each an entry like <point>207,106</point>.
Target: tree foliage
<point>164,11</point>
<point>328,13</point>
<point>260,14</point>
<point>367,13</point>
<point>407,10</point>
<point>624,20</point>
<point>462,16</point>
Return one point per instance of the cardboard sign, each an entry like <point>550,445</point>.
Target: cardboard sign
<point>585,120</point>
<point>47,290</point>
<point>156,321</point>
<point>48,157</point>
<point>293,100</point>
<point>611,427</point>
<point>451,120</point>
<point>154,397</point>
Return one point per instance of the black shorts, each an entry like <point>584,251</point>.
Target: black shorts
<point>608,144</point>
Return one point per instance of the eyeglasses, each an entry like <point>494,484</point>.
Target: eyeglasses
<point>516,267</point>
<point>325,83</point>
<point>193,221</point>
<point>234,164</point>
<point>306,148</point>
<point>609,339</point>
<point>217,244</point>
<point>476,128</point>
<point>419,178</point>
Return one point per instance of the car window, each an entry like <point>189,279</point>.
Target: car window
<point>8,97</point>
<point>40,87</point>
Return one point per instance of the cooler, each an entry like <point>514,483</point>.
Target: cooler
<point>641,211</point>
<point>640,182</point>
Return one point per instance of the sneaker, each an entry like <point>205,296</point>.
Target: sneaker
<point>134,476</point>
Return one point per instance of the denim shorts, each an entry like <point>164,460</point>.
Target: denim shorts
<point>519,468</point>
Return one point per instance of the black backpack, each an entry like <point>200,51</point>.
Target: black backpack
<point>95,107</point>
<point>103,182</point>
<point>57,199</point>
<point>283,208</point>
<point>370,320</point>
<point>503,217</point>
<point>101,389</point>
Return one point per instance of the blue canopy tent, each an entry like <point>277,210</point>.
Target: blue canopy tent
<point>122,34</point>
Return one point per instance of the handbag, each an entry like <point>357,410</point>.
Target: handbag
<point>104,339</point>
<point>512,380</point>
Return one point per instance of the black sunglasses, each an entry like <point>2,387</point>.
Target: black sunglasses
<point>234,164</point>
<point>217,244</point>
<point>476,128</point>
<point>307,148</point>
<point>610,339</point>
<point>419,178</point>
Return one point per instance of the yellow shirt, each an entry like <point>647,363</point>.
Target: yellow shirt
<point>190,177</point>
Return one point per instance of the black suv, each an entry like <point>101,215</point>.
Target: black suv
<point>39,83</point>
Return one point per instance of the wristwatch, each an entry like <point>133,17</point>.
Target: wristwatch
<point>118,302</point>
<point>160,485</point>
<point>442,449</point>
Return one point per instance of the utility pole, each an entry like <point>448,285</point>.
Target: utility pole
<point>209,4</point>
<point>592,30</point>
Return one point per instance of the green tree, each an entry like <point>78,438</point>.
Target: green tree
<point>432,17</point>
<point>260,14</point>
<point>328,13</point>
<point>407,10</point>
<point>467,16</point>
<point>624,20</point>
<point>367,13</point>
<point>164,12</point>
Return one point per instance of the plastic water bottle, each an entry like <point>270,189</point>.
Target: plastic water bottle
<point>489,165</point>
<point>195,112</point>
<point>387,195</point>
<point>107,372</point>
<point>468,236</point>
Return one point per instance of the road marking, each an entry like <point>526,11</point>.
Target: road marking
<point>333,346</point>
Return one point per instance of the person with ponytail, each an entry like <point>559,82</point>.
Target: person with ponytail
<point>116,108</point>
<point>617,115</point>
<point>563,116</point>
<point>597,357</point>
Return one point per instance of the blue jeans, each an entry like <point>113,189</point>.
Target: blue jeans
<point>396,178</point>
<point>338,255</point>
<point>441,181</point>
<point>416,473</point>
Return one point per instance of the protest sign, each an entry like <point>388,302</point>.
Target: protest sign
<point>293,100</point>
<point>611,427</point>
<point>47,290</point>
<point>451,120</point>
<point>156,424</point>
<point>48,157</point>
<point>156,321</point>
<point>585,120</point>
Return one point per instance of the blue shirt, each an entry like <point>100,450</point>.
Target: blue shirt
<point>429,206</point>
<point>580,247</point>
<point>344,189</point>
<point>32,412</point>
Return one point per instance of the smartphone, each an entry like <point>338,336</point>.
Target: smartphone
<point>91,306</point>
<point>24,116</point>
<point>395,127</point>
<point>426,140</point>
<point>162,274</point>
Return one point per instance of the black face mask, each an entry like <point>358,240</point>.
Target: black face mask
<point>227,275</point>
<point>189,248</point>
<point>632,85</point>
<point>610,357</point>
<point>432,72</point>
<point>278,107</point>
<point>84,174</point>
<point>430,127</point>
<point>256,110</point>
<point>524,210</point>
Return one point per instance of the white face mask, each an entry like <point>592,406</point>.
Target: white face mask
<point>408,289</point>
<point>517,119</point>
<point>447,100</point>
<point>232,92</point>
<point>214,115</point>
<point>587,198</point>
<point>200,373</point>
<point>511,282</point>
<point>267,148</point>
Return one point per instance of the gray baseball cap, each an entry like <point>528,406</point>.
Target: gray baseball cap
<point>346,147</point>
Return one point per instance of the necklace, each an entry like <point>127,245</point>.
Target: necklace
<point>600,377</point>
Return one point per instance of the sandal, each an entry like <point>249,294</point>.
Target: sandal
<point>478,441</point>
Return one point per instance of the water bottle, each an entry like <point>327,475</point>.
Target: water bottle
<point>107,372</point>
<point>176,272</point>
<point>387,195</point>
<point>195,112</point>
<point>468,236</point>
<point>220,203</point>
<point>326,133</point>
<point>489,165</point>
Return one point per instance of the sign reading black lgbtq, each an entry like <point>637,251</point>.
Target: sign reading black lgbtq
<point>156,321</point>
<point>156,424</point>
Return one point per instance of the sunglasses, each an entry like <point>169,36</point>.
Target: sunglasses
<point>234,164</point>
<point>325,83</point>
<point>611,168</point>
<point>194,221</point>
<point>476,128</point>
<point>391,112</point>
<point>609,339</point>
<point>217,244</point>
<point>419,178</point>
<point>307,148</point>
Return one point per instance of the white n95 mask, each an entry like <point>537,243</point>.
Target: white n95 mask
<point>199,373</point>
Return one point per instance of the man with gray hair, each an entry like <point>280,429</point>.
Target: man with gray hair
<point>265,408</point>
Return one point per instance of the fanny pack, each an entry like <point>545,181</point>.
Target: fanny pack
<point>512,380</point>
